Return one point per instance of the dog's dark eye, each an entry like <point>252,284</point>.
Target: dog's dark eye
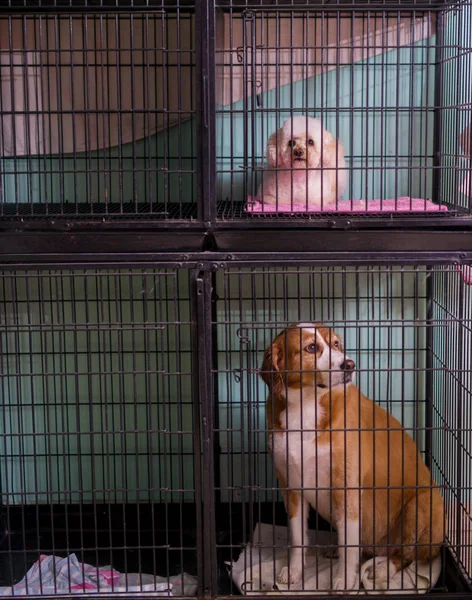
<point>310,142</point>
<point>290,144</point>
<point>336,344</point>
<point>311,348</point>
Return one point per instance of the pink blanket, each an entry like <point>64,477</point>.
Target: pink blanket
<point>402,204</point>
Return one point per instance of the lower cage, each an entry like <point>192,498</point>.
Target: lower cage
<point>101,453</point>
<point>98,431</point>
<point>407,330</point>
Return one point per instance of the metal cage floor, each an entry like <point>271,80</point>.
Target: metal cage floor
<point>113,210</point>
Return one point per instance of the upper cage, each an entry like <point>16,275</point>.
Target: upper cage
<point>387,80</point>
<point>162,110</point>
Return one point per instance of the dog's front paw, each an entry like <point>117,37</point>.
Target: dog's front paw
<point>380,573</point>
<point>292,575</point>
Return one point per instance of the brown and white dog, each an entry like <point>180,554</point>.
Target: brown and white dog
<point>344,455</point>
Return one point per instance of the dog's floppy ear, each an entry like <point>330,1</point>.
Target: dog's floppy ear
<point>272,147</point>
<point>330,148</point>
<point>270,369</point>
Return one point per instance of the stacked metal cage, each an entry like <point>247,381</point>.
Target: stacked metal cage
<point>139,290</point>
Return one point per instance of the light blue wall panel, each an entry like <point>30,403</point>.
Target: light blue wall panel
<point>96,391</point>
<point>147,172</point>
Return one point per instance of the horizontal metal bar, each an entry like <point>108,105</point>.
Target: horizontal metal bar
<point>357,7</point>
<point>263,245</point>
<point>86,10</point>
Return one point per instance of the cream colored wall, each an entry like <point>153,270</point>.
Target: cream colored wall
<point>109,77</point>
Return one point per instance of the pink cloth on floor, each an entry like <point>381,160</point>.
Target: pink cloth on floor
<point>402,204</point>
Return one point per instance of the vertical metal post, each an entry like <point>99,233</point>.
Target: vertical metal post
<point>438,110</point>
<point>429,384</point>
<point>251,18</point>
<point>246,76</point>
<point>197,438</point>
<point>202,289</point>
<point>249,101</point>
<point>206,110</point>
<point>459,425</point>
<point>215,394</point>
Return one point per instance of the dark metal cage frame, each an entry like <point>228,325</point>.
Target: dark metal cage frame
<point>206,243</point>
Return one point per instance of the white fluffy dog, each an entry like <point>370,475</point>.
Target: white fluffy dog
<point>306,165</point>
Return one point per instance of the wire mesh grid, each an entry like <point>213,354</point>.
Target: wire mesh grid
<point>328,110</point>
<point>97,430</point>
<point>98,111</point>
<point>407,329</point>
<point>451,432</point>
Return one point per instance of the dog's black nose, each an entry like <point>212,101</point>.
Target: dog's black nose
<point>348,365</point>
<point>297,152</point>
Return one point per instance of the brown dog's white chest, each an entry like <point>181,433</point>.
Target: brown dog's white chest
<point>298,454</point>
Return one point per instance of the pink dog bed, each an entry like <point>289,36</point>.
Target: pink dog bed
<point>403,204</point>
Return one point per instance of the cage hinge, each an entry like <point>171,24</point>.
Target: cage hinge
<point>243,336</point>
<point>249,15</point>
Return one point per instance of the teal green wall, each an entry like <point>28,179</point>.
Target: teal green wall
<point>128,173</point>
<point>77,425</point>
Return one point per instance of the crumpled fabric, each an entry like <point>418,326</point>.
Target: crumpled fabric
<point>56,575</point>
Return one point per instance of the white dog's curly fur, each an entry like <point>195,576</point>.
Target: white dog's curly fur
<point>307,165</point>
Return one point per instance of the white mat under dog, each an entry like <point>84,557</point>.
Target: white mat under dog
<point>255,571</point>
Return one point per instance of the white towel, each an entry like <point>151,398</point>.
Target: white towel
<point>255,572</point>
